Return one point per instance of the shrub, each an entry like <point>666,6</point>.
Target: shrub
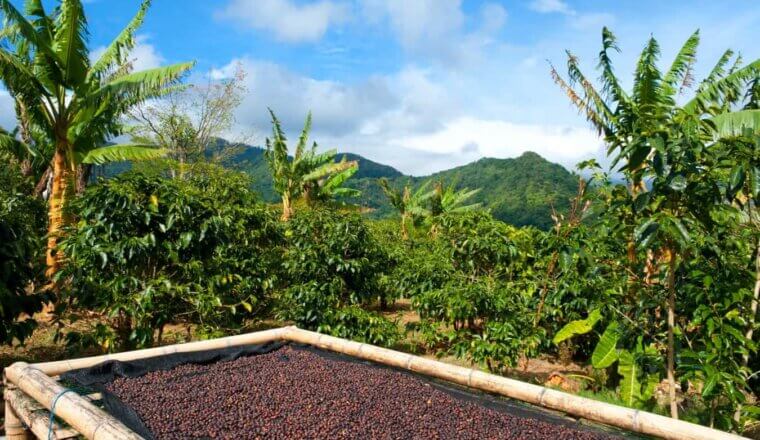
<point>149,250</point>
<point>22,223</point>
<point>332,262</point>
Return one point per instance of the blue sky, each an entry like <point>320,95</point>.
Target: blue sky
<point>422,85</point>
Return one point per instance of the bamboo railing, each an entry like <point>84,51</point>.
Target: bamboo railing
<point>34,386</point>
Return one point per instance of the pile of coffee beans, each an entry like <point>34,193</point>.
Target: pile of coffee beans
<point>293,393</point>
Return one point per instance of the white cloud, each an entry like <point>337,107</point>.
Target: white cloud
<point>287,20</point>
<point>551,6</point>
<point>415,119</point>
<point>494,138</point>
<point>144,55</point>
<point>435,29</point>
<point>7,111</point>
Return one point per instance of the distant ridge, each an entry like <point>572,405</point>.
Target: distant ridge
<point>521,191</point>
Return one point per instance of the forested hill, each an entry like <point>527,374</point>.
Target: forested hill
<point>520,190</point>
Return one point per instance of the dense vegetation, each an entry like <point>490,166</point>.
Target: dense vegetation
<point>523,191</point>
<point>653,281</point>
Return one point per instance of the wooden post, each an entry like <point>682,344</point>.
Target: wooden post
<point>33,415</point>
<point>89,420</point>
<point>14,428</point>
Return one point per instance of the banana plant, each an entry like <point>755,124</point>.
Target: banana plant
<point>409,203</point>
<point>328,188</point>
<point>77,104</point>
<point>631,391</point>
<point>309,175</point>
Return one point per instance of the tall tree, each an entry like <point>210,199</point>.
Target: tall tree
<point>190,122</point>
<point>308,174</point>
<point>661,142</point>
<point>77,104</point>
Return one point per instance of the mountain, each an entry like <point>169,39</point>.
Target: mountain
<point>521,191</point>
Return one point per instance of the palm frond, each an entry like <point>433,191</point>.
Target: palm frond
<point>117,52</point>
<point>70,42</point>
<point>679,76</point>
<point>329,169</point>
<point>647,83</point>
<point>144,85</point>
<point>721,90</point>
<point>718,71</point>
<point>736,124</point>
<point>591,115</point>
<point>120,153</point>
<point>16,148</point>
<point>301,146</point>
<point>592,98</point>
<point>610,84</point>
<point>25,28</point>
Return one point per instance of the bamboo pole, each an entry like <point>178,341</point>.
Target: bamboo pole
<point>626,418</point>
<point>89,420</point>
<point>58,367</point>
<point>35,416</point>
<point>14,427</point>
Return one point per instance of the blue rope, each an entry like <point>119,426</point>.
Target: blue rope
<point>52,411</point>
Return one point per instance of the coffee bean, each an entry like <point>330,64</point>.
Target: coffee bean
<point>296,394</point>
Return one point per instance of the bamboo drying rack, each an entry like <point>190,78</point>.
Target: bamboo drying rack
<point>31,389</point>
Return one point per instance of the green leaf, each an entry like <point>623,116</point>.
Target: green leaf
<point>120,153</point>
<point>736,124</point>
<point>70,42</point>
<point>642,200</point>
<point>646,232</point>
<point>605,353</point>
<point>117,51</point>
<point>630,388</point>
<point>682,233</point>
<point>578,327</point>
<point>736,181</point>
<point>710,384</point>
<point>638,156</point>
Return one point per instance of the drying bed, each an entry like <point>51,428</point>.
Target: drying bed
<point>331,394</point>
<point>298,392</point>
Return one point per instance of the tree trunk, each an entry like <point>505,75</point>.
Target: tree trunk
<point>751,321</point>
<point>404,231</point>
<point>671,325</point>
<point>83,177</point>
<point>287,207</point>
<point>57,217</point>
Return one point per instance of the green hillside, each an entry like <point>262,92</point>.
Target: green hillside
<point>521,191</point>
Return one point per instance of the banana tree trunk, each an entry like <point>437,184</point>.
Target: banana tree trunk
<point>287,207</point>
<point>404,230</point>
<point>57,218</point>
